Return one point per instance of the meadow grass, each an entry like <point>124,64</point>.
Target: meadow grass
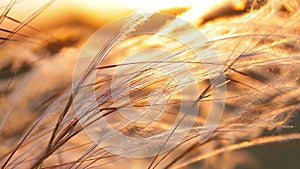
<point>41,127</point>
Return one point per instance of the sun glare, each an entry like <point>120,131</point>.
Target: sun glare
<point>146,5</point>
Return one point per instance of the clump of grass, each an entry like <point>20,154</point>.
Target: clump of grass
<point>259,58</point>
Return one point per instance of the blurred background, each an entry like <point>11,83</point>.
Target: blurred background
<point>63,15</point>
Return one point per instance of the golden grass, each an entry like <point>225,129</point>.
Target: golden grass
<point>257,45</point>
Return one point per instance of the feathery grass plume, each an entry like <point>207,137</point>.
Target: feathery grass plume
<point>256,41</point>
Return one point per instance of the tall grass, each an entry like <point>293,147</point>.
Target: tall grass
<point>42,127</point>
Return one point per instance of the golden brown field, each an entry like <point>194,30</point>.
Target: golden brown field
<point>139,84</point>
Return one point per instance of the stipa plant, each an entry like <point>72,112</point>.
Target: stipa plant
<point>54,118</point>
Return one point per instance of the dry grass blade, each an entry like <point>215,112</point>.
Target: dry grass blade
<point>245,144</point>
<point>146,86</point>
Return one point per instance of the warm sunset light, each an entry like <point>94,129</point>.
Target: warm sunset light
<point>149,84</point>
<point>99,12</point>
